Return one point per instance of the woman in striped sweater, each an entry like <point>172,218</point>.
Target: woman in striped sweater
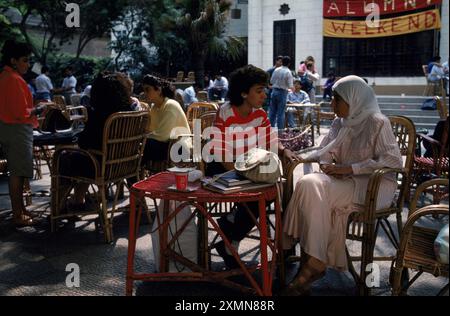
<point>243,124</point>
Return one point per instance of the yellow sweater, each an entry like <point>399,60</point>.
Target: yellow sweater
<point>168,121</point>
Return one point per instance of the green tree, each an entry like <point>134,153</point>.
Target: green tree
<point>203,25</point>
<point>97,18</point>
<point>51,16</point>
<point>7,30</point>
<point>159,27</point>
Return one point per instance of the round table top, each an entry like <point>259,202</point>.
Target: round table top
<point>157,186</point>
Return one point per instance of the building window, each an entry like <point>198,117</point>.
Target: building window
<point>284,40</point>
<point>395,56</point>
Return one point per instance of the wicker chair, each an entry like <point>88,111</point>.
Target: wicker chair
<point>416,244</point>
<point>202,96</point>
<point>441,107</point>
<point>322,115</point>
<point>120,158</point>
<point>191,76</point>
<point>75,99</point>
<point>300,117</point>
<point>60,100</point>
<point>180,76</point>
<point>438,164</point>
<point>364,224</point>
<point>196,109</point>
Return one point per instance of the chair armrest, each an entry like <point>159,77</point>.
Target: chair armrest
<point>423,187</point>
<point>428,139</point>
<point>373,188</point>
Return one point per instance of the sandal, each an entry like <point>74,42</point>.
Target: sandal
<point>295,288</point>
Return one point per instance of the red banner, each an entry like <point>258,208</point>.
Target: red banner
<point>349,8</point>
<point>404,24</point>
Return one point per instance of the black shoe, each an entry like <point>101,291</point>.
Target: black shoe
<point>230,262</point>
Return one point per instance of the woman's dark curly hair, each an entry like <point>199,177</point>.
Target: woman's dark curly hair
<point>166,87</point>
<point>13,49</point>
<point>111,92</point>
<point>242,79</point>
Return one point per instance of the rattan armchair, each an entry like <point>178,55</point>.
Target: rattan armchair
<point>364,225</point>
<point>124,136</point>
<point>436,166</point>
<point>323,115</point>
<point>196,109</point>
<point>416,243</point>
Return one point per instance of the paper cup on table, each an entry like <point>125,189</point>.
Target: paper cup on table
<point>181,180</point>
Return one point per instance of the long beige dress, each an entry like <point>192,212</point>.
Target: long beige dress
<point>319,208</point>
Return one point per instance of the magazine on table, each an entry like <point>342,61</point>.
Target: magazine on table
<point>213,184</point>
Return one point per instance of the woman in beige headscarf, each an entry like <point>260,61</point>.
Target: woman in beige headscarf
<point>360,141</point>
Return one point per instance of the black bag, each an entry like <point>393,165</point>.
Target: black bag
<point>307,84</point>
<point>429,104</point>
<point>55,120</point>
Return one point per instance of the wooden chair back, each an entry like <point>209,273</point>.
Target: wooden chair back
<point>207,119</point>
<point>300,117</point>
<point>180,76</point>
<point>202,96</point>
<point>124,137</point>
<point>60,101</point>
<point>191,76</point>
<point>75,99</point>
<point>425,71</point>
<point>196,109</point>
<point>405,133</point>
<point>323,115</point>
<point>442,108</point>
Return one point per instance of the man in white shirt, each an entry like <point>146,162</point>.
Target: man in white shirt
<point>282,81</point>
<point>190,95</point>
<point>219,89</point>
<point>69,84</point>
<point>44,86</point>
<point>296,96</point>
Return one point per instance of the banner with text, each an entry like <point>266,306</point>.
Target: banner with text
<point>418,22</point>
<point>343,8</point>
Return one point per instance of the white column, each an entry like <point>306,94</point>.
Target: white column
<point>444,47</point>
<point>255,32</point>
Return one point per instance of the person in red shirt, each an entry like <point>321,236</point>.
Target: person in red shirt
<point>235,120</point>
<point>17,119</point>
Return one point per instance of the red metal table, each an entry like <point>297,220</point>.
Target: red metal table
<point>155,187</point>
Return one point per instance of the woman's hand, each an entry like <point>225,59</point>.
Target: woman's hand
<point>336,170</point>
<point>290,156</point>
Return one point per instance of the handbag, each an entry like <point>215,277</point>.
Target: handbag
<point>441,245</point>
<point>259,165</point>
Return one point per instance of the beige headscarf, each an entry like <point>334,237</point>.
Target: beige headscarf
<point>363,103</point>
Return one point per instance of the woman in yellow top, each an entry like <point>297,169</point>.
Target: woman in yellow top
<point>167,118</point>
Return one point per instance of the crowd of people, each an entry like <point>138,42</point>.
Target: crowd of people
<point>360,141</point>
<point>288,87</point>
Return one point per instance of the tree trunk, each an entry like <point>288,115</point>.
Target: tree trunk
<point>198,62</point>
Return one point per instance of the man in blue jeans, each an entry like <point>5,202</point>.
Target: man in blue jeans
<point>281,81</point>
